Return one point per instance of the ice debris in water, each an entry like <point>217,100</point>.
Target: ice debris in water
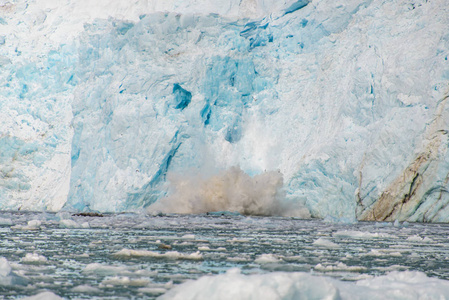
<point>280,285</point>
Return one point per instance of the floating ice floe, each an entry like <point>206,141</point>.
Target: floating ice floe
<point>167,255</point>
<point>417,238</point>
<point>44,296</point>
<point>68,223</point>
<point>31,225</point>
<point>267,258</point>
<point>34,258</point>
<point>325,243</point>
<point>361,234</point>
<point>338,267</point>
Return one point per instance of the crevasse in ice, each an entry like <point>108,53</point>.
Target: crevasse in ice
<point>347,99</point>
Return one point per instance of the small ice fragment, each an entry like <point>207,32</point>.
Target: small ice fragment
<point>44,296</point>
<point>87,289</point>
<point>85,225</point>
<point>34,258</point>
<point>67,223</point>
<point>118,280</point>
<point>5,268</point>
<point>31,225</point>
<point>361,234</point>
<point>204,248</point>
<point>427,240</point>
<point>99,269</point>
<point>321,242</point>
<point>414,238</point>
<point>339,267</point>
<point>34,223</point>
<point>188,236</point>
<point>266,258</point>
<point>167,255</point>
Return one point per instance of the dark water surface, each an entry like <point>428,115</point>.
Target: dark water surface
<point>140,256</point>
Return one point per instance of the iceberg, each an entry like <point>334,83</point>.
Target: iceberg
<point>102,103</point>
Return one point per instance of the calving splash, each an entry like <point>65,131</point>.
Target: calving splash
<point>101,101</point>
<point>232,191</point>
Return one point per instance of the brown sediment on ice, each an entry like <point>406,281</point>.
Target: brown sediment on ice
<point>419,192</point>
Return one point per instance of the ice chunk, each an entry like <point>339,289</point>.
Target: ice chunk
<point>5,268</point>
<point>361,235</point>
<point>86,289</point>
<point>267,258</point>
<point>31,225</point>
<point>167,255</point>
<point>338,267</point>
<point>322,242</point>
<point>7,277</point>
<point>124,280</point>
<point>99,269</point>
<point>34,258</point>
<point>44,296</point>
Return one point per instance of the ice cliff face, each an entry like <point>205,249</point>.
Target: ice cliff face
<point>347,99</point>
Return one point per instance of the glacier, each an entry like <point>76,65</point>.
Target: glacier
<point>102,103</point>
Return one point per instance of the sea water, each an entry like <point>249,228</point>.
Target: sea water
<point>124,256</point>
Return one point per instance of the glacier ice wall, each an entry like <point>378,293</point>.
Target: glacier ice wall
<point>346,98</point>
